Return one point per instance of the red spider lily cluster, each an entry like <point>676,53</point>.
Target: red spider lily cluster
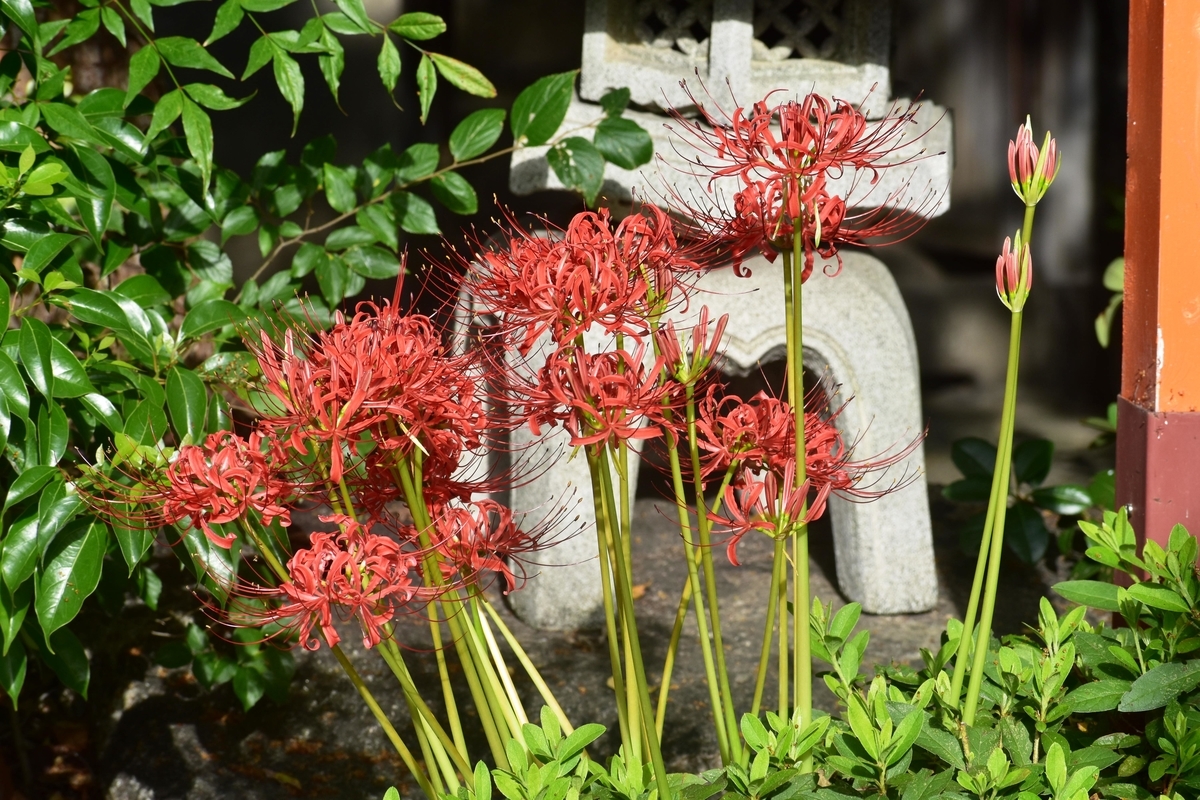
<point>782,157</point>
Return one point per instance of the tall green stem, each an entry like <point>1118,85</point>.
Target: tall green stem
<point>764,656</point>
<point>1004,467</point>
<point>664,684</point>
<point>530,669</point>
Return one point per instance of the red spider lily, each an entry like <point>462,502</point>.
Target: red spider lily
<point>1030,170</point>
<point>688,362</point>
<point>763,502</point>
<point>602,397</point>
<point>482,537</point>
<point>593,274</point>
<point>382,374</point>
<point>1014,273</point>
<point>350,573</point>
<point>215,483</point>
<point>758,434</point>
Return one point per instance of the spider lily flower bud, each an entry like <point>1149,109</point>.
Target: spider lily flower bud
<point>1014,273</point>
<point>1032,170</point>
<point>704,347</point>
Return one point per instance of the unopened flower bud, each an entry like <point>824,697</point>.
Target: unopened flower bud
<point>1032,170</point>
<point>1014,273</point>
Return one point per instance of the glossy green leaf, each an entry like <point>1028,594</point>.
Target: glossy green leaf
<point>372,262</point>
<point>13,387</point>
<point>70,572</point>
<point>1032,461</point>
<point>332,62</point>
<point>261,53</point>
<point>463,75</point>
<point>57,505</point>
<point>332,276</point>
<point>229,17</point>
<point>214,97</point>
<point>134,543</point>
<point>67,121</point>
<point>615,101</point>
<point>974,457</point>
<point>144,290</point>
<point>166,111</point>
<point>249,687</point>
<point>187,400</point>
<point>100,184</point>
<point>388,63</point>
<point>197,129</point>
<point>45,250</point>
<point>357,13</point>
<point>27,483</point>
<point>12,671</point>
<point>209,316</point>
<point>339,189</point>
<point>70,378</point>
<point>180,51</point>
<point>307,257</point>
<point>1103,490</point>
<point>540,108</point>
<point>453,191</point>
<point>103,409</point>
<point>21,550</point>
<point>1025,532</point>
<point>1095,594</point>
<point>579,165</point>
<point>213,565</point>
<point>418,26</point>
<point>1161,685</point>
<point>426,85</point>
<point>21,12</point>
<point>414,214</point>
<point>15,137</point>
<point>290,81</point>
<point>1157,596</point>
<point>380,220</point>
<point>623,142</point>
<point>477,133</point>
<point>418,161</point>
<point>969,490</point>
<point>1066,499</point>
<point>34,345</point>
<point>1102,695</point>
<point>145,423</point>
<point>52,432</point>
<point>66,657</point>
<point>348,236</point>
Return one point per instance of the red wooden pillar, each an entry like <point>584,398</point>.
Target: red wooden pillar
<point>1158,429</point>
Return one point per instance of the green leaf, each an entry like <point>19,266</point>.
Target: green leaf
<point>307,257</point>
<point>372,262</point>
<point>414,214</point>
<point>1032,460</point>
<point>141,8</point>
<point>463,75</point>
<point>416,162</point>
<point>27,484</point>
<point>229,17</point>
<point>1091,698</point>
<point>426,85</point>
<point>579,165</point>
<point>753,732</point>
<point>249,687</point>
<point>209,316</point>
<point>134,542</point>
<point>12,386</point>
<point>477,133</point>
<point>70,378</point>
<point>380,220</point>
<point>388,63</point>
<point>44,251</point>
<point>180,51</point>
<point>1066,499</point>
<point>197,129</point>
<point>187,400</point>
<point>1114,275</point>
<point>80,29</point>
<point>339,189</point>
<point>1095,594</point>
<point>290,80</point>
<point>615,101</point>
<point>1159,597</point>
<point>332,62</point>
<point>453,191</point>
<point>905,736</point>
<point>623,142</point>
<point>33,344</point>
<point>69,574</point>
<point>969,490</point>
<point>15,137</point>
<point>67,121</point>
<point>21,550</point>
<point>113,22</point>
<point>213,97</point>
<point>1161,685</point>
<point>260,55</point>
<point>418,26</point>
<point>166,111</point>
<point>348,236</point>
<point>331,279</point>
<point>21,12</point>
<point>574,744</point>
<point>239,222</point>
<point>540,109</point>
<point>357,13</point>
<point>57,505</point>
<point>974,457</point>
<point>103,409</point>
<point>66,657</point>
<point>1025,532</point>
<point>100,190</point>
<point>144,290</point>
<point>12,671</point>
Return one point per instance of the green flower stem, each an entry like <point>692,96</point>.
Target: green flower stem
<point>764,656</point>
<point>1004,467</point>
<point>999,494</point>
<point>401,748</point>
<point>395,660</point>
<point>606,580</point>
<point>706,646</point>
<point>801,600</point>
<point>784,708</point>
<point>266,552</point>
<point>625,598</point>
<point>456,730</point>
<point>664,685</point>
<point>497,696</point>
<point>498,658</point>
<point>530,670</point>
<point>704,526</point>
<point>623,535</point>
<point>491,728</point>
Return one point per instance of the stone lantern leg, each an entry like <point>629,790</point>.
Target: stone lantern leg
<point>857,332</point>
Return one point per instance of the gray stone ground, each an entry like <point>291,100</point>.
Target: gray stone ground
<point>166,739</point>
